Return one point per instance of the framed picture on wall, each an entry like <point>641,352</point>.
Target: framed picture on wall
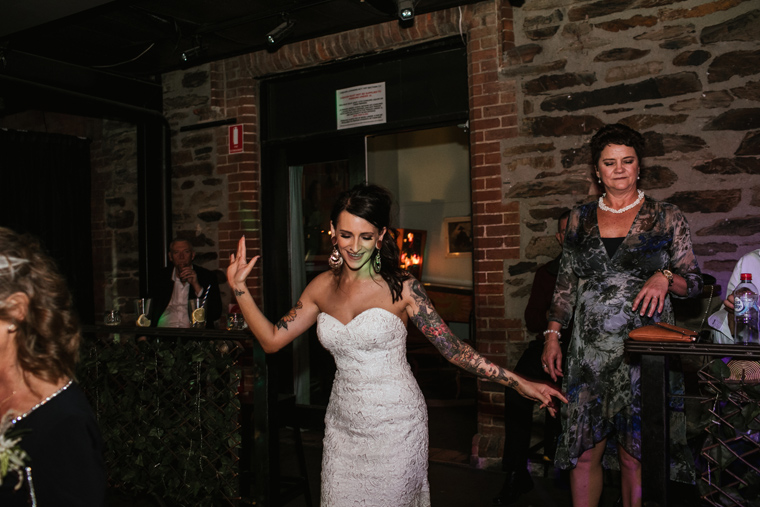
<point>458,235</point>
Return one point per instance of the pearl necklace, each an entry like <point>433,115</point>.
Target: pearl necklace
<point>38,405</point>
<point>635,203</point>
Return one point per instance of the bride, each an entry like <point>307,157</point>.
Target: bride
<point>376,438</point>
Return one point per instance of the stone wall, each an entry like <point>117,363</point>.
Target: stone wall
<point>113,163</point>
<point>115,249</point>
<point>199,187</point>
<point>684,73</point>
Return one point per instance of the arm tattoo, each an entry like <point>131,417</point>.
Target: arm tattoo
<point>239,292</point>
<point>290,317</point>
<point>455,350</point>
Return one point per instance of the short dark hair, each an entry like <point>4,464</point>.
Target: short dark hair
<point>177,240</point>
<point>48,337</point>
<point>616,133</point>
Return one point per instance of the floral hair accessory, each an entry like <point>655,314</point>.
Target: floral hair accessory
<point>12,457</point>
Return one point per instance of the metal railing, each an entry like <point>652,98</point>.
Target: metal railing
<point>729,471</point>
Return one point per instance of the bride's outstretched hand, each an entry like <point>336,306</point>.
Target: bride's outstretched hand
<point>542,393</point>
<point>239,269</point>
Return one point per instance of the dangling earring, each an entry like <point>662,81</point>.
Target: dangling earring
<point>335,261</point>
<point>638,176</point>
<point>599,180</point>
<point>12,328</point>
<point>377,264</point>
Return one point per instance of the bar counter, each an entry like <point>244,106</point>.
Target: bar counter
<point>198,334</point>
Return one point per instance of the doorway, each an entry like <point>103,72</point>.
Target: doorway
<point>305,150</point>
<point>428,171</point>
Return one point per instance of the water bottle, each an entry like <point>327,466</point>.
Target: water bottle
<point>746,312</point>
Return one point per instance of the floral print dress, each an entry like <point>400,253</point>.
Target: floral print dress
<point>602,384</point>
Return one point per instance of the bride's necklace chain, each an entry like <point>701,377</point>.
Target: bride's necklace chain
<point>635,203</point>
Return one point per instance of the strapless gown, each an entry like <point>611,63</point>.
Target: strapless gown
<point>376,435</point>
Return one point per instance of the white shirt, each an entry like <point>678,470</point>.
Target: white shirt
<point>176,313</point>
<point>749,263</point>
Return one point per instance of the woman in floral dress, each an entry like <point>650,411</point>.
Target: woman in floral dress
<point>624,257</point>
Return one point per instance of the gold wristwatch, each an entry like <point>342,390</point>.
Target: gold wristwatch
<point>668,274</point>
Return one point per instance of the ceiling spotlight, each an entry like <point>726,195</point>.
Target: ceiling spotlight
<point>405,9</point>
<point>188,55</point>
<point>282,30</point>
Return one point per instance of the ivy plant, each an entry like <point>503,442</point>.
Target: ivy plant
<point>169,415</point>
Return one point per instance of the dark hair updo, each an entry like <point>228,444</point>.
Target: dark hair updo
<point>373,204</point>
<point>615,133</point>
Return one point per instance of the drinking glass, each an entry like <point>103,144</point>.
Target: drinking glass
<point>112,318</point>
<point>142,310</point>
<point>235,322</point>
<point>197,312</point>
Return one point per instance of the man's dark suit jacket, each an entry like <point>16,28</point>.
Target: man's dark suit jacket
<point>162,295</point>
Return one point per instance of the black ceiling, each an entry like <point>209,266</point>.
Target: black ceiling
<point>144,38</point>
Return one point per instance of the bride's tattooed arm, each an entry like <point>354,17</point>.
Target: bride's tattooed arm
<point>290,317</point>
<point>455,350</point>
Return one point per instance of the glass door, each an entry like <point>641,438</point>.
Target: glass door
<point>314,189</point>
<point>306,177</point>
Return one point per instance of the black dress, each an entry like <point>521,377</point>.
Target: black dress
<point>65,452</point>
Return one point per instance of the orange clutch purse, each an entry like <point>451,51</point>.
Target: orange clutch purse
<point>662,332</point>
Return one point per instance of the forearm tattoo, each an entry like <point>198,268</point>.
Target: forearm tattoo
<point>290,317</point>
<point>455,350</point>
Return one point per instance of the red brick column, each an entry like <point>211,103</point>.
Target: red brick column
<point>235,93</point>
<point>496,224</point>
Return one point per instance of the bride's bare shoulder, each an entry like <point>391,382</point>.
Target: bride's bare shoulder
<point>323,284</point>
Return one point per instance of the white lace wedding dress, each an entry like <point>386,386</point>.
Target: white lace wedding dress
<point>376,436</point>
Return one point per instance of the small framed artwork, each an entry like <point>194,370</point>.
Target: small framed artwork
<point>458,235</point>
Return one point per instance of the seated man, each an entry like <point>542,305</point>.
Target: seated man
<point>180,282</point>
<point>722,319</point>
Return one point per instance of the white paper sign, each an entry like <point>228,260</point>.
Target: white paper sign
<point>361,105</point>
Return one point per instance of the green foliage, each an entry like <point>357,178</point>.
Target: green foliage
<point>169,414</point>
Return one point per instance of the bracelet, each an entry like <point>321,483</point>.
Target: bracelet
<point>550,331</point>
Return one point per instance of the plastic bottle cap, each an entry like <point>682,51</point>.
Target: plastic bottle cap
<point>746,277</point>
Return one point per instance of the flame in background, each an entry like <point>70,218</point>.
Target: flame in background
<point>409,257</point>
